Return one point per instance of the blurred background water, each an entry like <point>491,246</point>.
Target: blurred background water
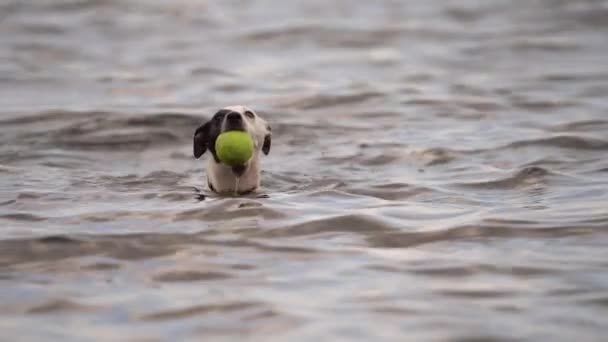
<point>438,171</point>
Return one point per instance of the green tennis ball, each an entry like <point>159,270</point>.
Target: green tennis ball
<point>234,148</point>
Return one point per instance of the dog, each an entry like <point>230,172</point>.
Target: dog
<point>242,179</point>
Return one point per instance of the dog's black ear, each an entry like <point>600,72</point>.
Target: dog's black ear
<point>267,142</point>
<point>201,140</point>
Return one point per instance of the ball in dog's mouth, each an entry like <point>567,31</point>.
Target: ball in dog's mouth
<point>234,148</point>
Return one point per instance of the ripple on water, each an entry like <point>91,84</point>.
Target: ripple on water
<point>390,191</point>
<point>105,130</point>
<point>325,35</point>
<point>357,224</point>
<point>438,171</point>
<point>570,142</point>
<point>325,101</point>
<point>484,230</point>
<point>62,306</point>
<point>201,310</point>
<point>189,276</point>
<point>232,209</point>
<point>524,177</point>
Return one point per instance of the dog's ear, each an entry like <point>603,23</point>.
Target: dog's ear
<point>201,140</point>
<point>267,142</point>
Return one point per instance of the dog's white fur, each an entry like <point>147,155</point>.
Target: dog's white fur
<point>221,177</point>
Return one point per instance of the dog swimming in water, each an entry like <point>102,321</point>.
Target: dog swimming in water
<point>242,179</point>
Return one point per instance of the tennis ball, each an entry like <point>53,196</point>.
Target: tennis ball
<point>234,148</point>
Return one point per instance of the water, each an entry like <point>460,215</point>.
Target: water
<point>438,171</point>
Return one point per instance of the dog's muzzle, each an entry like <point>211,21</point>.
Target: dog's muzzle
<point>234,122</point>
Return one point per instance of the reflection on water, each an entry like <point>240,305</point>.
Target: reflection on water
<point>438,171</point>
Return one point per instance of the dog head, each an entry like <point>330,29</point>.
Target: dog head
<point>233,118</point>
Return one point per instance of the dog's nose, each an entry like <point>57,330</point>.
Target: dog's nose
<point>234,117</point>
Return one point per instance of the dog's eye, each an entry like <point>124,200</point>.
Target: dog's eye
<point>250,114</point>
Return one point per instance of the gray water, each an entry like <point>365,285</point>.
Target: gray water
<point>439,171</point>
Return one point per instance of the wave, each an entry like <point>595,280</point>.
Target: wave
<point>319,101</point>
<point>483,230</point>
<point>390,191</point>
<point>528,175</point>
<point>564,141</point>
<point>103,131</point>
<point>573,142</point>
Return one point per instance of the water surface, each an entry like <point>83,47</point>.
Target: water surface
<point>438,171</point>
